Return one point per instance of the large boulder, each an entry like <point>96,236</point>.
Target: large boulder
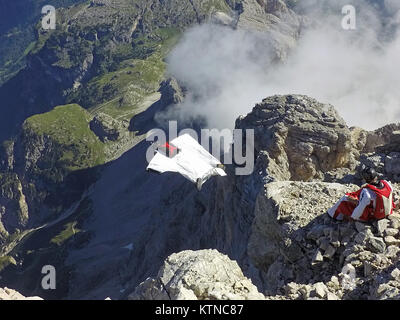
<point>298,137</point>
<point>382,139</point>
<point>198,275</point>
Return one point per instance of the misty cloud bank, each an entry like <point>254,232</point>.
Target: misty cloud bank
<point>226,71</point>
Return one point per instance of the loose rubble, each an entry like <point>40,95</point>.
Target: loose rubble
<point>305,254</point>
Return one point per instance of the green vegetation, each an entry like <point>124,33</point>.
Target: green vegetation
<point>68,127</point>
<point>18,28</point>
<point>138,70</point>
<point>8,181</point>
<point>129,42</point>
<point>64,54</point>
<point>5,261</point>
<point>161,40</point>
<point>122,90</point>
<point>15,236</point>
<point>14,47</point>
<point>29,47</point>
<point>69,231</point>
<point>215,5</point>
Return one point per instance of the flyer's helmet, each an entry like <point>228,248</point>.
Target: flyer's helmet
<point>369,174</point>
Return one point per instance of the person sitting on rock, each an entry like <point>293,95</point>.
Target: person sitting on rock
<point>374,201</point>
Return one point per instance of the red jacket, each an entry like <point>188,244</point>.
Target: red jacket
<point>384,202</point>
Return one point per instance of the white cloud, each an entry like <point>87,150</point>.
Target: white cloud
<point>226,72</point>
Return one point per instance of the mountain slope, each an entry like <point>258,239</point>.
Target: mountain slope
<point>17,32</point>
<point>92,39</point>
<point>133,220</point>
<point>108,56</point>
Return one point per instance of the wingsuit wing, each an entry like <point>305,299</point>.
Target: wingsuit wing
<point>192,161</point>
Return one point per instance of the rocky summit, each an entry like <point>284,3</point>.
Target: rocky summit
<point>76,104</point>
<point>305,139</point>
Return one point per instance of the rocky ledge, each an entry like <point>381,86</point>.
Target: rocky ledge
<point>10,294</point>
<point>300,251</point>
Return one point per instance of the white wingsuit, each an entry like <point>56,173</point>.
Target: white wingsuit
<point>192,161</point>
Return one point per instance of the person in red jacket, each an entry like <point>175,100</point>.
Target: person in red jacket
<point>374,201</point>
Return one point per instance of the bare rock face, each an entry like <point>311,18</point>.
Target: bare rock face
<point>13,207</point>
<point>299,137</point>
<point>392,165</point>
<point>7,156</point>
<point>198,275</point>
<point>105,127</point>
<point>379,149</point>
<point>223,19</point>
<point>274,18</point>
<point>387,165</point>
<point>114,133</point>
<point>10,294</point>
<point>171,94</point>
<point>384,139</point>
